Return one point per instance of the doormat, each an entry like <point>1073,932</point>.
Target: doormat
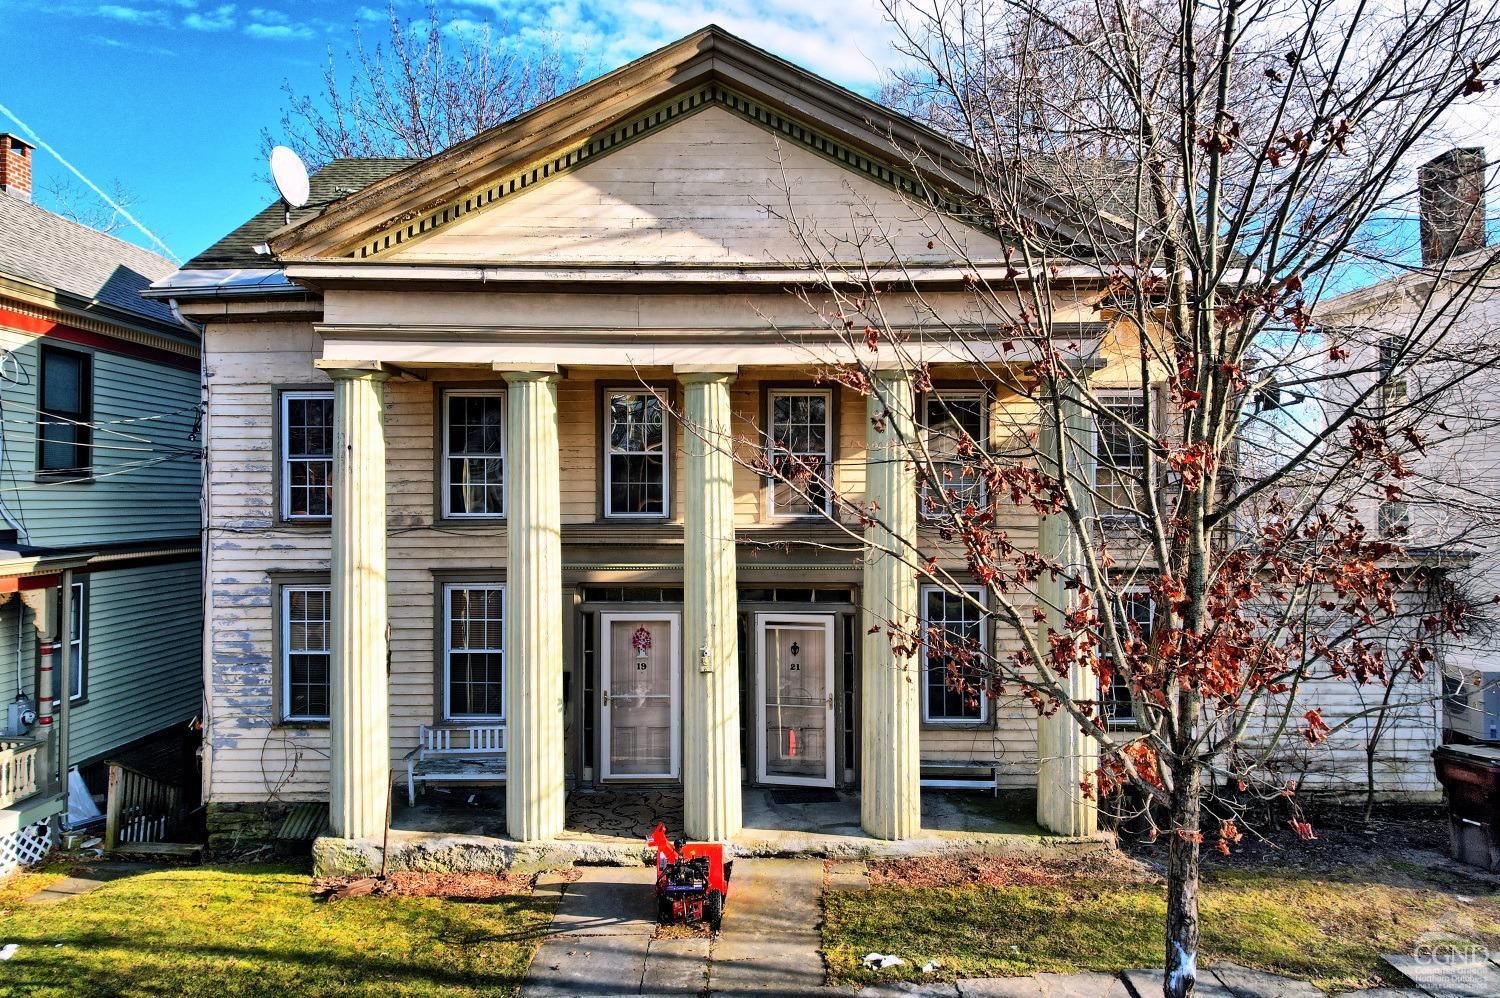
<point>803,795</point>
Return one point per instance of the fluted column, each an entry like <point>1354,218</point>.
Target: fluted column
<point>534,790</point>
<point>890,768</point>
<point>359,724</point>
<point>1066,757</point>
<point>711,685</point>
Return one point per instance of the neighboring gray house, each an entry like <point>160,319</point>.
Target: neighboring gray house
<point>100,585</point>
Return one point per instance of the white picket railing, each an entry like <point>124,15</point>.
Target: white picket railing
<point>17,769</point>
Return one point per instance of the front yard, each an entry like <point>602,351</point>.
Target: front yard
<point>1318,912</point>
<point>258,930</point>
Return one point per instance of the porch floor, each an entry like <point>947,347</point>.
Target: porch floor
<point>609,825</point>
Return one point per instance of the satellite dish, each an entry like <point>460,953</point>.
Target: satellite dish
<point>290,175</point>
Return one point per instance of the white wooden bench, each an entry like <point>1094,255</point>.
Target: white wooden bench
<point>466,754</point>
<point>991,766</point>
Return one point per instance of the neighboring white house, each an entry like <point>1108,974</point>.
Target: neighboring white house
<point>1449,392</point>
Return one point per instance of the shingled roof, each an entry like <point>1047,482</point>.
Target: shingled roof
<point>40,247</point>
<point>333,181</point>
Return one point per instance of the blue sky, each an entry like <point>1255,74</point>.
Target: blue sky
<point>168,97</point>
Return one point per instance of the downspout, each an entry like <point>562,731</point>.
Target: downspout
<point>204,510</point>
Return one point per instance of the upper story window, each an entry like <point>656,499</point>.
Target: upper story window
<point>801,444</point>
<point>473,454</point>
<point>1120,455</point>
<point>474,652</point>
<point>64,437</point>
<point>953,656</point>
<point>956,427</point>
<point>1136,608</point>
<point>306,455</point>
<point>306,626</point>
<point>636,460</point>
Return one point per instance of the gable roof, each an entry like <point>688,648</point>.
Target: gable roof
<point>335,180</point>
<point>43,248</point>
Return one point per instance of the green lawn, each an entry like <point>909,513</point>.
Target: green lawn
<point>256,930</point>
<point>1326,928</point>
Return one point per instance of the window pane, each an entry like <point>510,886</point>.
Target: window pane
<point>308,462</point>
<point>799,435</point>
<point>63,381</point>
<point>953,633</point>
<point>636,462</point>
<point>306,654</point>
<point>1135,607</point>
<point>476,656</point>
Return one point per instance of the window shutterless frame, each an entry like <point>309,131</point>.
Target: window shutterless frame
<point>65,404</point>
<point>1115,700</point>
<point>311,644</point>
<point>983,621</point>
<point>78,666</point>
<point>313,462</point>
<point>632,449</point>
<point>450,455</point>
<point>822,626</point>
<point>1117,473</point>
<point>781,440</point>
<point>469,647</point>
<point>948,405</point>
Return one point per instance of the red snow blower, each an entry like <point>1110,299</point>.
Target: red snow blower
<point>692,880</point>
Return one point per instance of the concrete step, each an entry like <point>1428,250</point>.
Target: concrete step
<point>172,853</point>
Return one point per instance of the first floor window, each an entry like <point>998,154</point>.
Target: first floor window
<point>473,454</point>
<point>953,655</point>
<point>474,652</point>
<point>78,643</point>
<point>65,404</point>
<point>635,455</point>
<point>306,455</point>
<point>801,453</point>
<point>1120,452</point>
<point>955,425</point>
<point>306,620</point>
<point>1135,605</point>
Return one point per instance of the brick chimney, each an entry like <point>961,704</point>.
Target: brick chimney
<point>1452,203</point>
<point>15,166</point>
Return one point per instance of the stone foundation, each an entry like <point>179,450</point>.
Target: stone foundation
<point>238,829</point>
<point>335,857</point>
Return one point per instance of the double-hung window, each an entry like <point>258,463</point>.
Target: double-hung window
<point>306,455</point>
<point>801,453</point>
<point>473,454</point>
<point>64,437</point>
<point>78,643</point>
<point>954,643</point>
<point>1120,453</point>
<point>956,425</point>
<point>636,462</point>
<point>306,626</point>
<point>474,652</point>
<point>1135,606</point>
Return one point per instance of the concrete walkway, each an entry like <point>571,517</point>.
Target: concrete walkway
<point>602,942</point>
<point>87,880</point>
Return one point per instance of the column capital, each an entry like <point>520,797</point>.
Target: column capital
<point>350,370</point>
<point>513,373</point>
<point>705,374</point>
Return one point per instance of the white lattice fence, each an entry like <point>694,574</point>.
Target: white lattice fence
<point>25,846</point>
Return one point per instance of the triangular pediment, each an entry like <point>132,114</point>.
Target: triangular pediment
<point>708,152</point>
<point>707,188</point>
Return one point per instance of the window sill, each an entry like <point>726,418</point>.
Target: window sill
<point>305,521</point>
<point>965,725</point>
<point>307,725</point>
<point>79,477</point>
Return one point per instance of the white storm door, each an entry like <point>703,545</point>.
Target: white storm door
<point>640,691</point>
<point>794,723</point>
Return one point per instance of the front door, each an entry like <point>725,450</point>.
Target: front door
<point>795,722</point>
<point>640,688</point>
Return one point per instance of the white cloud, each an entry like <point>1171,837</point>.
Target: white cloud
<point>265,15</point>
<point>221,18</point>
<point>278,32</point>
<point>128,14</point>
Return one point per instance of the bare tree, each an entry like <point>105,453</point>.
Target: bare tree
<point>433,82</point>
<point>1194,176</point>
<point>76,203</point>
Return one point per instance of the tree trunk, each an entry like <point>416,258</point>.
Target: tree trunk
<point>1183,848</point>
